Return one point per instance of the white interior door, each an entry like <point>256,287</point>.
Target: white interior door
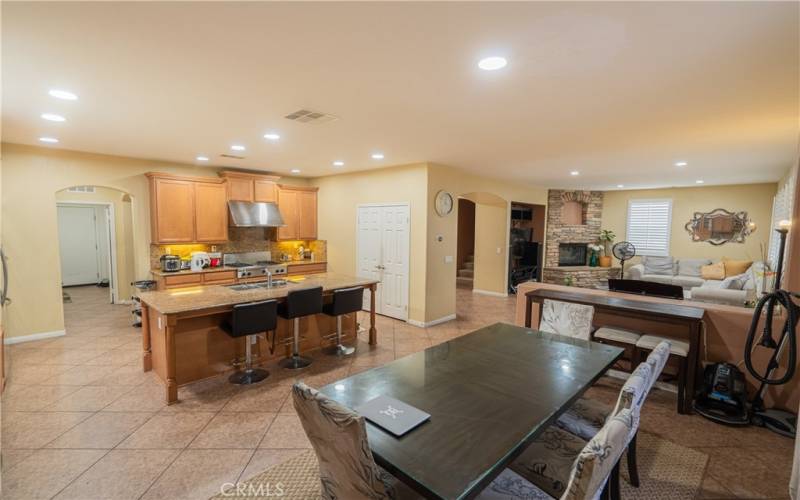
<point>77,238</point>
<point>383,253</point>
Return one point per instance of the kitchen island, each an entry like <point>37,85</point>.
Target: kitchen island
<point>183,343</point>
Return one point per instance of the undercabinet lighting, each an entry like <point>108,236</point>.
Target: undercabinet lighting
<point>272,136</point>
<point>49,140</point>
<point>680,163</point>
<point>620,185</point>
<point>699,181</point>
<point>63,94</point>
<point>51,117</point>
<point>295,170</point>
<point>338,163</point>
<point>202,158</point>
<point>492,63</point>
<point>574,173</point>
<point>238,147</point>
<point>377,156</point>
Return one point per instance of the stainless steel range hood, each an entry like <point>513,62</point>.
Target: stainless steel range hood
<point>258,214</point>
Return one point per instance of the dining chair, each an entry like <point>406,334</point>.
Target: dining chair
<point>566,318</point>
<point>678,349</point>
<point>563,466</point>
<point>586,416</point>
<point>339,438</point>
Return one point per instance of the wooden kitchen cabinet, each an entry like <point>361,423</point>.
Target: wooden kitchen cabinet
<point>187,209</point>
<point>172,210</point>
<point>244,186</point>
<point>211,212</point>
<point>298,206</point>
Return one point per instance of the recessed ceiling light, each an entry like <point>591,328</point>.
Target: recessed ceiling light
<point>272,137</point>
<point>49,140</point>
<point>202,158</point>
<point>377,156</point>
<point>680,163</point>
<point>699,181</point>
<point>238,147</point>
<point>574,173</point>
<point>295,170</point>
<point>492,63</point>
<point>338,163</point>
<point>63,94</point>
<point>620,185</point>
<point>53,117</point>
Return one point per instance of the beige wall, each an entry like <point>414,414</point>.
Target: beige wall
<point>755,199</point>
<point>31,178</point>
<point>338,197</point>
<point>123,225</point>
<point>441,275</point>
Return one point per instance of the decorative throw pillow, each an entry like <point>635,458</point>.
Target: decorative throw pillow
<point>713,271</point>
<point>736,267</point>
<point>691,267</point>
<point>658,265</point>
<point>734,282</point>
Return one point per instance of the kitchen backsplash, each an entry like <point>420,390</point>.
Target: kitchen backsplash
<point>245,239</point>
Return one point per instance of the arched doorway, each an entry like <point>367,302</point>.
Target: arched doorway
<point>483,227</point>
<point>95,236</point>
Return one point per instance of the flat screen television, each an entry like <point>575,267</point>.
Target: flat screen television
<point>648,288</point>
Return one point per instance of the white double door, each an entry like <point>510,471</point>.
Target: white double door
<point>382,254</point>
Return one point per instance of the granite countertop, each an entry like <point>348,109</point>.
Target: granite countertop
<point>197,298</point>
<point>159,272</point>
<point>299,262</point>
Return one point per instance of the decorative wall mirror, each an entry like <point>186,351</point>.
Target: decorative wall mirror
<point>720,226</point>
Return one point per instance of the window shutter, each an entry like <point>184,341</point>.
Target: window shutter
<point>649,224</point>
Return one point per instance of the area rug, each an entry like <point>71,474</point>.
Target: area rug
<point>666,471</point>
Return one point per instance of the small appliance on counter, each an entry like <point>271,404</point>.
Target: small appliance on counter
<point>199,261</point>
<point>186,264</point>
<point>170,263</point>
<point>216,259</point>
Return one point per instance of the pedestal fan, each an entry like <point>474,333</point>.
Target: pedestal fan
<point>624,250</point>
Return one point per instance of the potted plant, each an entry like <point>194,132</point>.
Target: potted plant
<point>606,238</point>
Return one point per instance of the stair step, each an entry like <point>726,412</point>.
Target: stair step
<point>464,281</point>
<point>465,273</point>
<point>469,265</point>
<point>469,258</point>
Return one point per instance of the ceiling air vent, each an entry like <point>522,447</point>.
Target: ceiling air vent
<point>309,116</point>
<point>81,189</point>
<point>233,157</point>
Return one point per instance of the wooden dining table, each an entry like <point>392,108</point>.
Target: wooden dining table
<point>490,393</point>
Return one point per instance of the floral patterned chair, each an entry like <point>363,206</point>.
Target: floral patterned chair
<point>561,465</point>
<point>566,318</point>
<point>339,438</point>
<point>587,416</point>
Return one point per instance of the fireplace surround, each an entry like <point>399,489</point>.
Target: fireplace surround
<point>571,254</point>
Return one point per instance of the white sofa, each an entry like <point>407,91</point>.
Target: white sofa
<point>686,274</point>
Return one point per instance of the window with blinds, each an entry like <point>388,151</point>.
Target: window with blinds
<point>782,206</point>
<point>649,223</point>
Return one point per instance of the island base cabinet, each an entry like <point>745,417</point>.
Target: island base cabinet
<point>185,348</point>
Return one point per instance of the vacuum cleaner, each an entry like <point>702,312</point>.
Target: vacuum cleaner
<point>724,396</point>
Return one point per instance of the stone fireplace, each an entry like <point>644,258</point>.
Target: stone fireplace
<point>573,221</point>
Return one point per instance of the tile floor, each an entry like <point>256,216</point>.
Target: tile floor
<point>80,420</point>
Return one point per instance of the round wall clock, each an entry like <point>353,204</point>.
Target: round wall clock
<point>443,203</point>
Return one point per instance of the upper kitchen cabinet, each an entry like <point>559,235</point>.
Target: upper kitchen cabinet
<point>243,186</point>
<point>187,209</point>
<point>298,206</point>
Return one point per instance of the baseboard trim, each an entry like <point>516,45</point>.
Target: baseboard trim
<point>489,293</point>
<point>34,337</point>
<point>439,321</point>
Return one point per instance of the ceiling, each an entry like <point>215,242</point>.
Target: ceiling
<point>616,91</point>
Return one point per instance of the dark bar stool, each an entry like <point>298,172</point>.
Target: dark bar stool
<point>246,321</point>
<point>299,303</point>
<point>345,301</point>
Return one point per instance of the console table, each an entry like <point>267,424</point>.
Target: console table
<point>686,319</point>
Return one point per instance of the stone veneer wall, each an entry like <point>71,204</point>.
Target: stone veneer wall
<point>560,232</point>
